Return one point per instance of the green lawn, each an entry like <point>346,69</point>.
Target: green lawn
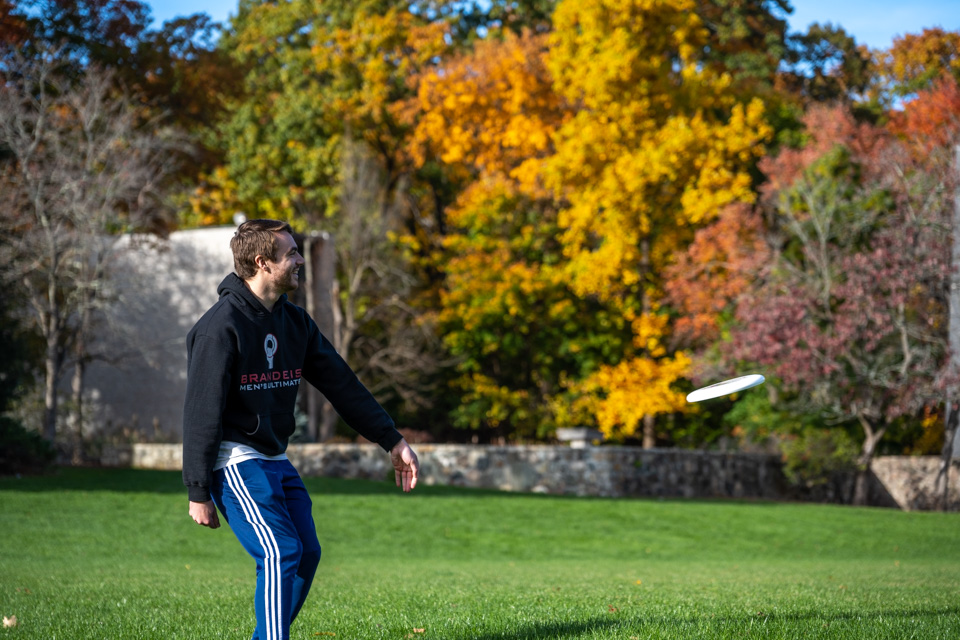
<point>112,554</point>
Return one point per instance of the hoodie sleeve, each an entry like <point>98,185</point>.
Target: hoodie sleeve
<point>333,377</point>
<point>209,364</point>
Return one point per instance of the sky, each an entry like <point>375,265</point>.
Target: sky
<point>872,22</point>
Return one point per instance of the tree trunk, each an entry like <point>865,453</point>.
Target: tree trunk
<point>649,420</point>
<point>952,404</point>
<point>870,440</point>
<point>79,371</point>
<point>328,422</point>
<point>76,411</point>
<point>50,319</point>
<point>322,304</point>
<point>52,373</point>
<point>946,458</point>
<point>649,431</point>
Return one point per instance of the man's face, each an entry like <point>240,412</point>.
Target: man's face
<point>285,271</point>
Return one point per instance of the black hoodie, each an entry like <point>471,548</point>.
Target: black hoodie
<point>244,366</point>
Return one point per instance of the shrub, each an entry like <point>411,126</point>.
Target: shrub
<point>21,450</point>
<point>816,454</point>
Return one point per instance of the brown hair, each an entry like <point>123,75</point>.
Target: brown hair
<point>255,238</point>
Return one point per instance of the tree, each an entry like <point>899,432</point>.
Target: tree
<point>474,21</point>
<point>376,323</point>
<point>825,64</point>
<point>748,39</point>
<point>104,33</point>
<point>521,337</point>
<point>314,72</point>
<point>847,313</point>
<point>183,76</point>
<point>929,126</point>
<point>177,72</point>
<point>76,168</point>
<point>658,145</point>
<point>13,26</point>
<point>915,61</point>
<point>719,266</point>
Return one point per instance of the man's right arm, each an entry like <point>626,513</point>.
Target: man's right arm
<point>208,380</point>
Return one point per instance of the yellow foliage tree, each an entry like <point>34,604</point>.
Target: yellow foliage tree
<point>659,145</point>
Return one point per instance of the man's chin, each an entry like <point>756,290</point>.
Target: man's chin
<point>292,284</point>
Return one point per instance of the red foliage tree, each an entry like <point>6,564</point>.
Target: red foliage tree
<point>850,312</point>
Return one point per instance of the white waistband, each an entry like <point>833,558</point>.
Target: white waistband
<point>232,453</point>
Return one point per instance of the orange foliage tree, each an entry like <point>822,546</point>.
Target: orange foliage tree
<point>915,61</point>
<point>520,334</point>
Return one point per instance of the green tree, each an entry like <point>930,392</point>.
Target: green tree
<point>314,73</point>
<point>826,64</point>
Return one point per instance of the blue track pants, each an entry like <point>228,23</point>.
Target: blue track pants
<point>268,509</point>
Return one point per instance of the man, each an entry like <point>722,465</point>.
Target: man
<point>245,359</point>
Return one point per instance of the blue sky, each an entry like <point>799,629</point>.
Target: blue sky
<point>872,22</point>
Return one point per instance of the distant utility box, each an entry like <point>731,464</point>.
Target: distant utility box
<point>579,437</point>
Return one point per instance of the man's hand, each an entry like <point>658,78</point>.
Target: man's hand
<point>406,467</point>
<point>205,513</point>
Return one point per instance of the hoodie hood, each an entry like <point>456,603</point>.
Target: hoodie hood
<point>243,298</point>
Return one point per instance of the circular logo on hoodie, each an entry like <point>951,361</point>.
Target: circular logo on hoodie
<point>270,347</point>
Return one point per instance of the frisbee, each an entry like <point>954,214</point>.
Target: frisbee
<point>725,388</point>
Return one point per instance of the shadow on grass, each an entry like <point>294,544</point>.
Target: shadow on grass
<point>96,479</point>
<point>162,482</point>
<point>153,481</point>
<point>574,629</point>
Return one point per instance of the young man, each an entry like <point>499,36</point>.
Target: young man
<point>245,359</point>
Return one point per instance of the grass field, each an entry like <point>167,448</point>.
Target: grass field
<point>112,554</point>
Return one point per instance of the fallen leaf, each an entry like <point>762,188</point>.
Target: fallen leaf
<point>612,609</point>
<point>9,622</point>
<point>419,630</point>
<point>324,633</point>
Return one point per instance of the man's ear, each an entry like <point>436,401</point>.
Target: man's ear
<point>261,263</point>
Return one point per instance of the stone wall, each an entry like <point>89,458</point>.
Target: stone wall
<point>911,481</point>
<point>899,481</point>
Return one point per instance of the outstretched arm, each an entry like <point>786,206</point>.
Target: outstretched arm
<point>406,467</point>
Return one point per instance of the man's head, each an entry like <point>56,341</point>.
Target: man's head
<point>266,248</point>
<point>255,238</point>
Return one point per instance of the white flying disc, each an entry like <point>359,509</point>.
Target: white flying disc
<point>725,388</point>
